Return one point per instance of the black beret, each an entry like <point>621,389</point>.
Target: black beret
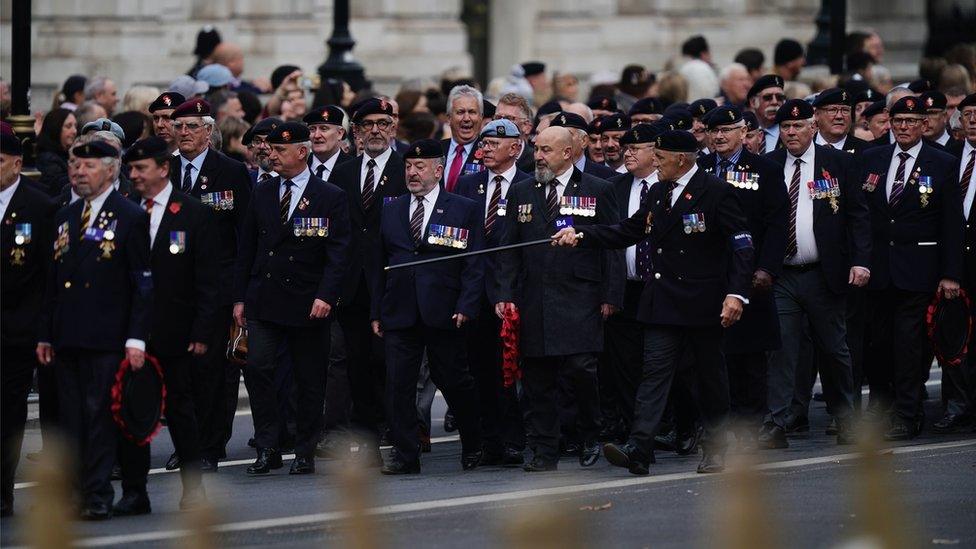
<point>907,105</point>
<point>763,82</point>
<point>679,116</point>
<point>532,68</point>
<point>615,122</point>
<point>280,73</point>
<point>263,127</point>
<point>677,141</point>
<point>866,95</point>
<point>487,109</point>
<point>794,109</point>
<point>832,96</point>
<point>373,105</point>
<point>921,85</point>
<point>968,101</point>
<point>569,120</point>
<point>95,149</point>
<point>193,107</point>
<point>167,100</point>
<point>643,133</point>
<point>288,133</point>
<point>878,107</point>
<point>424,148</point>
<point>548,107</point>
<point>648,105</point>
<point>603,103</point>
<point>722,116</point>
<point>328,114</point>
<point>207,40</point>
<point>787,50</point>
<point>934,100</point>
<point>752,121</point>
<point>855,87</point>
<point>150,147</point>
<point>701,107</point>
<point>10,144</point>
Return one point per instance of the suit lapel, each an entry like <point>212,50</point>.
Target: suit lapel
<point>162,232</point>
<point>85,247</point>
<point>208,172</point>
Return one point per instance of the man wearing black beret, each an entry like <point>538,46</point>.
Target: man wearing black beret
<point>702,271</point>
<point>914,197</point>
<point>937,120</point>
<point>876,117</point>
<point>288,278</point>
<point>614,126</point>
<point>581,142</point>
<point>833,113</point>
<point>326,128</point>
<point>159,110</point>
<point>646,110</point>
<point>256,140</point>
<point>699,109</point>
<point>765,97</point>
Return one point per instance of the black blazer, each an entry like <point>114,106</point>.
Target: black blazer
<point>219,174</point>
<point>599,170</point>
<point>914,246</point>
<point>343,157</point>
<point>365,224</point>
<point>843,236</point>
<point>25,264</point>
<point>99,293</point>
<point>854,145</point>
<point>632,288</point>
<point>473,163</point>
<point>526,160</point>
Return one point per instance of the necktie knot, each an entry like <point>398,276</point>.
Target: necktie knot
<point>149,204</point>
<point>904,156</point>
<point>498,179</point>
<point>287,183</point>
<point>371,163</point>
<point>459,149</point>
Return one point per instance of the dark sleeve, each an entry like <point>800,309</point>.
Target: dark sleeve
<point>246,250</point>
<point>472,278</point>
<point>733,223</point>
<point>242,192</point>
<point>858,218</point>
<point>510,261</point>
<point>376,278</point>
<point>205,277</point>
<point>49,297</point>
<point>137,252</point>
<point>337,249</point>
<point>775,212</point>
<point>614,262</point>
<point>953,225</point>
<point>621,235</point>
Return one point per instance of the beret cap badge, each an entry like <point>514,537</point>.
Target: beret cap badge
<point>796,111</point>
<point>167,100</point>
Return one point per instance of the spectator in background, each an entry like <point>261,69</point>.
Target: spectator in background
<point>135,126</point>
<point>102,91</point>
<point>754,61</point>
<point>860,65</point>
<point>72,93</point>
<point>410,102</point>
<point>672,88</point>
<point>697,69</point>
<point>5,99</point>
<point>954,96</point>
<point>207,41</point>
<point>965,55</point>
<point>565,86</point>
<point>788,59</point>
<point>286,81</point>
<point>635,81</point>
<point>58,132</point>
<point>734,82</point>
<point>218,79</point>
<point>226,104</point>
<point>188,87</point>
<point>534,73</point>
<point>421,125</point>
<point>881,79</point>
<point>232,131</point>
<point>251,105</point>
<point>89,111</point>
<point>232,56</point>
<point>138,98</point>
<point>955,76</point>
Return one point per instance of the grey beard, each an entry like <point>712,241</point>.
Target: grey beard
<point>544,175</point>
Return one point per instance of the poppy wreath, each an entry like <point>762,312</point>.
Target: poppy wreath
<point>510,348</point>
<point>930,324</point>
<point>117,399</point>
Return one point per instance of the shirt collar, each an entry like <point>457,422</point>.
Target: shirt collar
<point>912,151</point>
<point>299,181</point>
<point>197,162</point>
<point>967,147</point>
<point>563,179</point>
<point>733,160</point>
<point>261,172</point>
<point>380,159</point>
<point>508,174</point>
<point>98,201</point>
<point>807,156</point>
<point>581,163</point>
<point>467,147</point>
<point>839,145</point>
<point>329,162</point>
<point>7,194</point>
<point>431,197</point>
<point>944,138</point>
<point>162,197</point>
<point>684,179</point>
<point>772,130</point>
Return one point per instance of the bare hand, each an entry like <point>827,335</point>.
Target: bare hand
<point>565,237</point>
<point>859,277</point>
<point>45,353</point>
<point>459,319</point>
<point>239,315</point>
<point>136,358</point>
<point>500,308</point>
<point>948,289</point>
<point>320,309</point>
<point>197,349</point>
<point>377,328</point>
<point>607,310</point>
<point>291,81</point>
<point>762,281</point>
<point>731,311</point>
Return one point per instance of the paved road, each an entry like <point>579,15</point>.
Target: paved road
<point>807,490</point>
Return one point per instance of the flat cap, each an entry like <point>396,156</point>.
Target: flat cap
<point>150,147</point>
<point>569,120</point>
<point>288,133</point>
<point>764,82</point>
<point>424,148</point>
<point>167,100</point>
<point>832,96</point>
<point>327,114</point>
<point>722,116</point>
<point>500,128</point>
<point>677,141</point>
<point>10,144</point>
<point>373,105</point>
<point>95,149</point>
<point>193,107</point>
<point>647,105</point>
<point>603,103</point>
<point>104,125</point>
<point>907,105</point>
<point>934,100</point>
<point>701,107</point>
<point>794,109</point>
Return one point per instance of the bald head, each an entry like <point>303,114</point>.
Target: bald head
<point>553,153</point>
<point>231,56</point>
<point>582,110</point>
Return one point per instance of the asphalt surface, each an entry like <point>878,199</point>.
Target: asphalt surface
<point>803,496</point>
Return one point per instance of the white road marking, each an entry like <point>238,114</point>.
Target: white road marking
<point>487,498</point>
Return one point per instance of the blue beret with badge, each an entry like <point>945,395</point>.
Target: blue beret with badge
<point>500,128</point>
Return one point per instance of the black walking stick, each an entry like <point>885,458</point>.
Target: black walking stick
<point>469,254</point>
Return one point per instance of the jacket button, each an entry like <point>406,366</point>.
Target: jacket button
<point>268,275</point>
<point>364,229</point>
<point>291,258</point>
<point>657,276</point>
<point>659,250</point>
<point>287,279</point>
<point>892,243</point>
<point>67,284</point>
<point>271,253</point>
<point>892,221</point>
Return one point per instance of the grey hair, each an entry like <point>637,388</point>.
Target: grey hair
<point>892,95</point>
<point>216,138</point>
<point>728,69</point>
<point>464,90</point>
<point>95,86</point>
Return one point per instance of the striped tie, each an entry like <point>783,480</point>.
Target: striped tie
<point>264,176</point>
<point>791,247</point>
<point>85,220</point>
<point>286,201</point>
<point>898,187</point>
<point>368,184</point>
<point>967,174</point>
<point>552,199</point>
<point>643,256</point>
<point>667,195</point>
<point>417,220</point>
<point>187,180</point>
<point>496,195</point>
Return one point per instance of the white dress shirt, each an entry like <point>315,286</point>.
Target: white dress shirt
<point>943,139</point>
<point>561,181</point>
<point>772,137</point>
<point>160,201</point>
<point>581,163</point>
<point>297,189</point>
<point>967,201</point>
<point>380,160</point>
<point>506,183</point>
<point>429,200</point>
<point>6,195</point>
<point>909,165</point>
<point>197,164</point>
<point>621,168</point>
<point>633,204</point>
<point>261,172</point>
<point>806,241</point>
<point>452,149</point>
<point>329,165</point>
<point>839,145</point>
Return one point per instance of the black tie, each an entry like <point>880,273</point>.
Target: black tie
<point>552,200</point>
<point>286,200</point>
<point>368,185</point>
<point>319,171</point>
<point>667,195</point>
<point>187,180</point>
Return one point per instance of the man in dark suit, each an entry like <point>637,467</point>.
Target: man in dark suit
<point>563,296</point>
<point>581,139</point>
<point>256,140</point>
<point>25,240</point>
<point>828,250</point>
<point>224,185</point>
<point>183,257</point>
<point>464,111</point>
<point>937,120</point>
<point>162,124</point>
<point>701,278</point>
<point>501,422</point>
<point>97,311</point>
<point>833,112</point>
<point>426,308</point>
<point>765,98</point>
<point>369,181</point>
<point>325,125</point>
<point>758,183</point>
<point>612,129</point>
<point>288,278</point>
<point>913,194</point>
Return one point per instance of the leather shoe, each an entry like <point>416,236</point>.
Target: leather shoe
<point>330,448</point>
<point>711,462</point>
<point>667,442</point>
<point>96,511</point>
<point>687,443</point>
<point>831,427</point>
<point>369,455</point>
<point>449,424</point>
<point>773,437</point>
<point>539,465</point>
<point>302,466</point>
<point>797,424</point>
<point>952,423</point>
<point>589,455</point>
<point>208,465</point>
<point>629,456</point>
<point>268,459</point>
<point>471,460</point>
<point>192,498</point>
<point>132,503</point>
<point>398,467</point>
<point>508,457</point>
<point>173,463</point>
<point>900,431</point>
<point>571,449</point>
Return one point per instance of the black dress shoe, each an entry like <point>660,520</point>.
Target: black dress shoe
<point>208,465</point>
<point>512,457</point>
<point>712,462</point>
<point>397,466</point>
<point>687,443</point>
<point>302,466</point>
<point>471,460</point>
<point>797,424</point>
<point>831,429</point>
<point>629,456</point>
<point>668,442</point>
<point>571,449</point>
<point>539,465</point>
<point>192,498</point>
<point>173,463</point>
<point>268,459</point>
<point>251,443</point>
<point>96,511</point>
<point>773,437</point>
<point>952,423</point>
<point>132,503</point>
<point>589,455</point>
<point>901,430</point>
<point>449,424</point>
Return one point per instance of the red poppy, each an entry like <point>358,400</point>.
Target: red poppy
<point>174,207</point>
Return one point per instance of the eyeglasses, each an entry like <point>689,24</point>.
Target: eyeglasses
<point>834,111</point>
<point>369,124</point>
<point>771,96</point>
<point>634,149</point>
<point>968,114</point>
<point>510,118</point>
<point>260,141</point>
<point>907,122</point>
<point>490,144</point>
<point>724,130</point>
<point>189,126</point>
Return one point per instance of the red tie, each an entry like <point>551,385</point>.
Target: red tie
<point>149,205</point>
<point>456,164</point>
